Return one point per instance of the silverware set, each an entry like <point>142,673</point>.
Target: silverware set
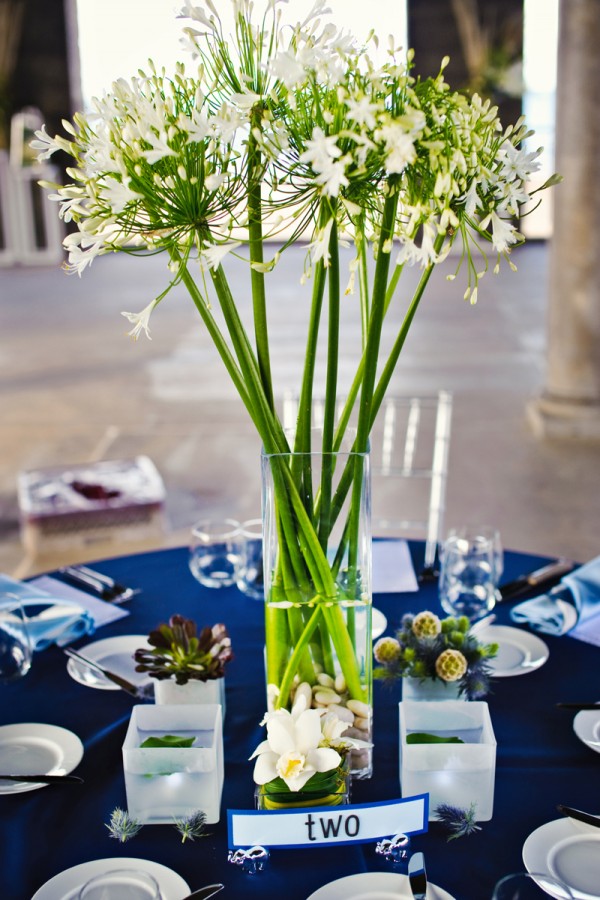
<point>102,586</point>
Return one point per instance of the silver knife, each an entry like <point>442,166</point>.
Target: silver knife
<point>548,574</point>
<point>44,779</point>
<point>141,692</point>
<point>578,814</point>
<point>417,876</point>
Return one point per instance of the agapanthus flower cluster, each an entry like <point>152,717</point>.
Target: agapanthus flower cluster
<point>426,646</point>
<point>297,127</point>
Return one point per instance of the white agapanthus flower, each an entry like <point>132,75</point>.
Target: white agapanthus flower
<point>399,146</point>
<point>140,321</point>
<point>293,749</point>
<point>46,145</point>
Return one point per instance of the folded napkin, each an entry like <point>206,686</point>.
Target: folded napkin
<point>57,623</point>
<point>49,619</point>
<point>575,600</point>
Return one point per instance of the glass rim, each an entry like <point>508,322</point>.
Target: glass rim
<point>539,878</point>
<point>125,874</point>
<point>223,528</point>
<point>248,526</point>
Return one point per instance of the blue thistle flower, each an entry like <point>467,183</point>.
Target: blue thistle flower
<point>459,822</point>
<point>121,826</point>
<point>191,827</point>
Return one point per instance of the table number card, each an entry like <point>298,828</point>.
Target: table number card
<point>358,823</point>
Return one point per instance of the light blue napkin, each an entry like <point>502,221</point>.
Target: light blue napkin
<point>58,623</point>
<point>49,620</point>
<point>574,601</point>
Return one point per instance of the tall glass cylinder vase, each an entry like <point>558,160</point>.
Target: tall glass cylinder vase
<point>317,567</point>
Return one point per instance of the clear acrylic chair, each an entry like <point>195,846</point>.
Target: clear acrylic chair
<point>410,443</point>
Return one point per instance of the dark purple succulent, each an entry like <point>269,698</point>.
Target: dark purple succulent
<point>180,652</point>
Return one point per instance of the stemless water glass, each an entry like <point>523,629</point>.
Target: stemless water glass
<point>530,886</point>
<point>215,552</point>
<point>126,884</point>
<point>471,566</point>
<point>250,577</point>
<point>15,644</point>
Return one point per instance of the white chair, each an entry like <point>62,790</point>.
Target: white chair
<point>410,443</point>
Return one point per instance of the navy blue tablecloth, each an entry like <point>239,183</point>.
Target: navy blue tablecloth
<point>540,761</point>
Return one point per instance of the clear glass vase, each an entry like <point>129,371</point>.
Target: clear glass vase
<point>317,571</point>
<point>277,796</point>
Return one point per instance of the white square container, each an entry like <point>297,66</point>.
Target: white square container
<point>163,783</point>
<point>456,774</point>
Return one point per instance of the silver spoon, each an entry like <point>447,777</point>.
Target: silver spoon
<point>203,893</point>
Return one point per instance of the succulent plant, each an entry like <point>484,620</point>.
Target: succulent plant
<point>180,652</point>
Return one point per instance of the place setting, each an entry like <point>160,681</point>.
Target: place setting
<point>567,849</point>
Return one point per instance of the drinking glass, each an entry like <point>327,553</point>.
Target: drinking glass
<point>250,576</point>
<point>471,566</point>
<point>126,884</point>
<point>530,886</point>
<point>215,552</point>
<point>15,643</point>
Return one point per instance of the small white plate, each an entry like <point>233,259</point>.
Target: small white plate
<point>374,886</point>
<point>568,853</point>
<point>33,748</point>
<point>114,654</point>
<point>519,652</point>
<point>586,726</point>
<point>67,884</point>
<point>378,623</point>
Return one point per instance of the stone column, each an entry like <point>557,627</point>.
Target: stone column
<point>570,403</point>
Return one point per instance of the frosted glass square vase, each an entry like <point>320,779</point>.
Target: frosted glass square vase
<point>459,774</point>
<point>163,783</point>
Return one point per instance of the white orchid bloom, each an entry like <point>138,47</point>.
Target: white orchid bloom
<point>292,749</point>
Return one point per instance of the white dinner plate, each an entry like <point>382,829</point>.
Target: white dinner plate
<point>66,885</point>
<point>374,886</point>
<point>569,853</point>
<point>114,654</point>
<point>33,748</point>
<point>378,623</point>
<point>586,726</point>
<point>519,651</point>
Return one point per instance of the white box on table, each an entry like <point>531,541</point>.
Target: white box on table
<point>456,774</point>
<point>84,504</point>
<point>194,775</point>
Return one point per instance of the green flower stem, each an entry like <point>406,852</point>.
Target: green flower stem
<point>269,427</point>
<point>333,338</point>
<point>394,356</point>
<point>371,355</point>
<point>285,684</point>
<point>217,337</point>
<point>344,648</point>
<point>306,392</point>
<point>363,276</point>
<point>378,308</point>
<point>388,369</point>
<point>255,242</point>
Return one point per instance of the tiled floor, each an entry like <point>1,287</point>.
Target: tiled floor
<point>75,388</point>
